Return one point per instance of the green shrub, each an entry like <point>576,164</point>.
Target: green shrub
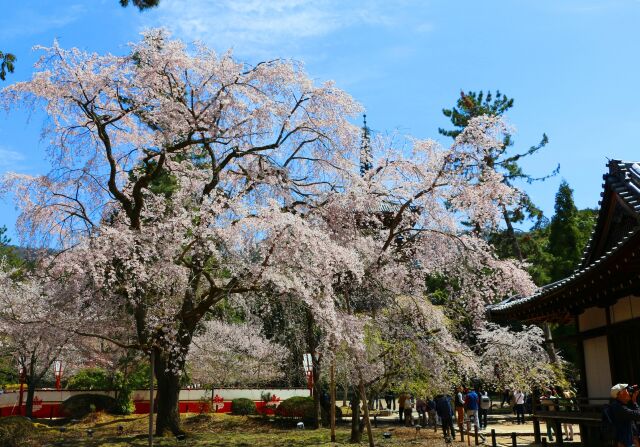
<point>243,406</point>
<point>90,379</point>
<point>124,404</point>
<point>15,431</point>
<point>81,405</point>
<point>124,391</point>
<point>298,407</point>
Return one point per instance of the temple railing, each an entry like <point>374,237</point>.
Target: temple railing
<point>585,411</point>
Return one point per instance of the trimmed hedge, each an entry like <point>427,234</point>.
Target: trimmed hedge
<point>298,407</point>
<point>243,406</point>
<point>301,407</point>
<point>80,405</point>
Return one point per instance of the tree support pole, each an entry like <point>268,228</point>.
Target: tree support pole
<point>365,407</point>
<point>151,374</point>
<point>333,400</point>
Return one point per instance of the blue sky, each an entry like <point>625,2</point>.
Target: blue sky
<point>572,66</point>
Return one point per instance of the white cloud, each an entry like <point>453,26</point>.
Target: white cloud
<point>11,160</point>
<point>27,21</point>
<point>263,28</point>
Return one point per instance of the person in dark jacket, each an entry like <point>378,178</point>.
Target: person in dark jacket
<point>624,411</point>
<point>433,413</point>
<point>445,411</point>
<point>390,399</point>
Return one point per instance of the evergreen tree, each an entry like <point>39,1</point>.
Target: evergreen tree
<point>565,238</point>
<point>474,104</point>
<point>7,61</point>
<point>140,4</point>
<point>8,254</point>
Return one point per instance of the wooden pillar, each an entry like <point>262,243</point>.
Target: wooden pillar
<point>536,430</point>
<point>333,401</point>
<point>558,427</point>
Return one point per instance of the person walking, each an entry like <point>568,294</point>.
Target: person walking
<point>401,400</point>
<point>518,401</point>
<point>433,413</point>
<point>445,411</point>
<point>390,400</point>
<point>421,409</point>
<point>549,401</point>
<point>408,410</point>
<point>485,406</point>
<point>506,397</point>
<point>472,404</point>
<point>459,406</point>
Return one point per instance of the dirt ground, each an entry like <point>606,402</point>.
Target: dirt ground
<point>221,430</point>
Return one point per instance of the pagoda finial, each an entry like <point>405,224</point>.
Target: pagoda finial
<point>366,160</point>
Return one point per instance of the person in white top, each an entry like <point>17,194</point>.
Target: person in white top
<point>518,400</point>
<point>485,406</point>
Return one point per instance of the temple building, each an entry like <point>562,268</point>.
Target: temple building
<point>601,298</point>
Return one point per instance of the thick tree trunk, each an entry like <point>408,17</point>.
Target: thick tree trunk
<point>31,390</point>
<point>168,382</point>
<point>312,346</point>
<point>356,426</point>
<point>317,395</point>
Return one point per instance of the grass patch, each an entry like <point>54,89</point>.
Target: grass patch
<point>212,430</point>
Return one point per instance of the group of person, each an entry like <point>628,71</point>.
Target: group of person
<point>466,405</point>
<point>472,406</point>
<point>552,398</point>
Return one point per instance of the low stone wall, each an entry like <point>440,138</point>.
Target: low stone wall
<point>47,403</point>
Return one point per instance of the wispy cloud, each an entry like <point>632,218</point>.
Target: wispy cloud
<point>26,21</point>
<point>11,160</point>
<point>260,28</point>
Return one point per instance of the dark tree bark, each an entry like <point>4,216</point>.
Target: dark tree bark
<point>312,345</point>
<point>31,390</point>
<point>357,427</point>
<point>317,395</point>
<point>168,382</point>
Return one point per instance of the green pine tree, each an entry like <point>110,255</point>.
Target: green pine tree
<point>7,64</point>
<point>474,104</point>
<point>140,4</point>
<point>8,254</point>
<point>565,239</point>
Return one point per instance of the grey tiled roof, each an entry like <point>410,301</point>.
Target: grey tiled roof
<point>623,179</point>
